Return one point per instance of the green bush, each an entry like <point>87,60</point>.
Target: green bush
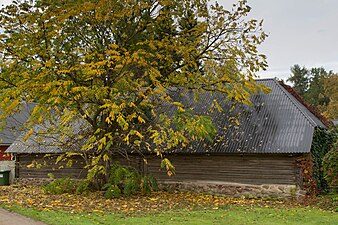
<point>113,191</point>
<point>82,187</point>
<point>60,186</point>
<point>148,184</point>
<point>127,181</point>
<point>66,185</point>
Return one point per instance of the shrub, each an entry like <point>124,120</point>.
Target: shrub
<point>60,186</point>
<point>66,185</point>
<point>148,184</point>
<point>82,187</point>
<point>127,181</point>
<point>113,191</point>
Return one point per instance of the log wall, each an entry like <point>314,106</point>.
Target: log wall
<point>48,166</point>
<point>248,169</point>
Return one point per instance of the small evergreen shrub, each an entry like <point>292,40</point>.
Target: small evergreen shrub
<point>127,181</point>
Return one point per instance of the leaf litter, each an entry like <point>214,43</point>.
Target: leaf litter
<point>34,197</point>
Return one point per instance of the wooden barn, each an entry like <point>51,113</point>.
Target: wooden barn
<point>263,150</point>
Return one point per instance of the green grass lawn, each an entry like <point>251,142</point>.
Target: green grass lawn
<point>223,215</point>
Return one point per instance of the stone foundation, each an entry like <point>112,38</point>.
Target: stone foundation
<point>236,189</point>
<point>211,187</point>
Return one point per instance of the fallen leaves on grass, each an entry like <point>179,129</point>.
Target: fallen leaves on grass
<point>31,196</point>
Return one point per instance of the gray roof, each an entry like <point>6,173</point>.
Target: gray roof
<point>46,139</point>
<point>13,125</point>
<point>275,123</point>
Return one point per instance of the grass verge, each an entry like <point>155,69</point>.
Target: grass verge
<point>223,215</point>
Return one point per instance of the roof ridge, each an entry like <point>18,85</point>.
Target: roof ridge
<point>264,79</point>
<point>288,95</point>
<point>267,78</point>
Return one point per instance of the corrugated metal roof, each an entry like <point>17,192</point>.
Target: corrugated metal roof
<point>13,125</point>
<point>43,141</point>
<point>275,123</point>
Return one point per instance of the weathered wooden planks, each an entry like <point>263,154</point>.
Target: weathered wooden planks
<point>48,166</point>
<point>248,169</point>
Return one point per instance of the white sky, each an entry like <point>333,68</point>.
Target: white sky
<point>301,32</point>
<point>5,2</point>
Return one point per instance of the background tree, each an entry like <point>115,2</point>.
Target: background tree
<point>299,78</point>
<point>331,90</point>
<point>318,87</point>
<point>316,95</point>
<point>110,63</point>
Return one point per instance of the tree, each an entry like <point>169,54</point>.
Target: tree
<point>110,63</point>
<point>331,90</point>
<point>316,86</point>
<point>299,78</point>
<point>315,95</point>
